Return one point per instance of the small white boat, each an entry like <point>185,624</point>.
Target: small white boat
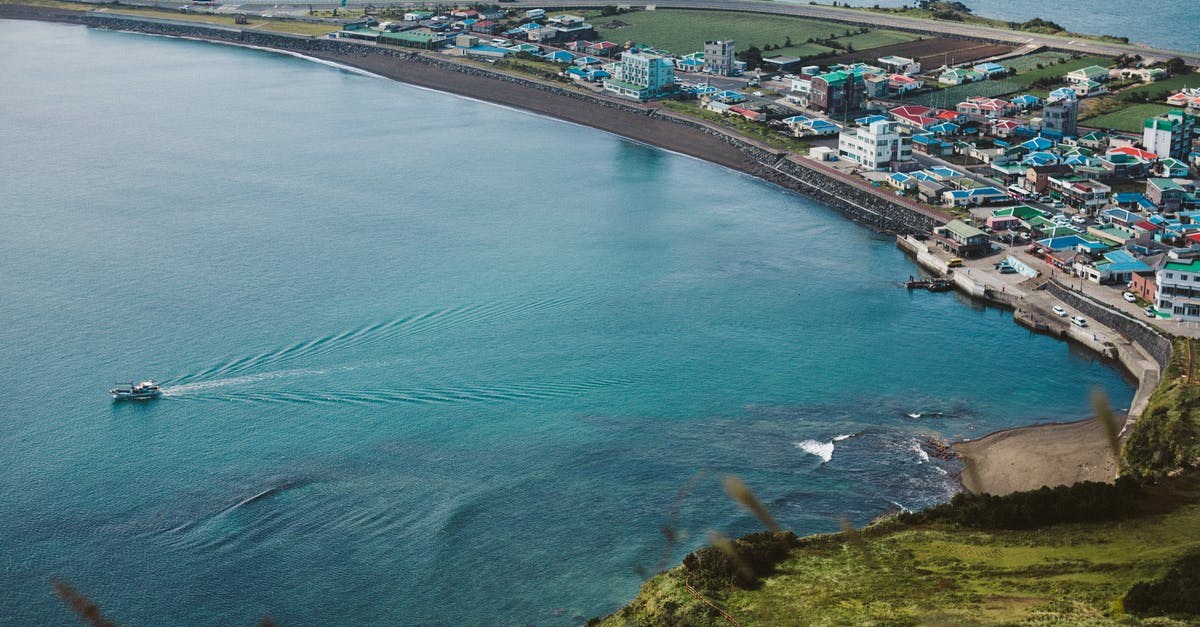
<point>144,391</point>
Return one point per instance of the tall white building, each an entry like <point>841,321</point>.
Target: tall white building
<point>643,76</point>
<point>1170,134</point>
<point>1177,289</point>
<point>719,57</point>
<point>875,147</point>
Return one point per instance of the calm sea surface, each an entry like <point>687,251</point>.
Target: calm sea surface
<point>429,360</point>
<point>1170,24</point>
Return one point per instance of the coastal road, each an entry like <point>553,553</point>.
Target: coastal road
<point>839,14</point>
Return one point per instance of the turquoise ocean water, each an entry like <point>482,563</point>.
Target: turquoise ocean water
<point>1171,25</point>
<point>428,360</point>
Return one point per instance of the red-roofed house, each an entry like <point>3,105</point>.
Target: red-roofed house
<point>1145,226</point>
<point>982,106</point>
<point>1144,155</point>
<point>915,116</point>
<point>753,116</point>
<point>1004,128</point>
<point>464,13</point>
<point>603,49</point>
<point>486,26</point>
<point>950,116</point>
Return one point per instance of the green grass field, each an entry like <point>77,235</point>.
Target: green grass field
<point>1129,119</point>
<point>1059,69</point>
<point>1029,62</point>
<point>685,31</point>
<point>1173,84</point>
<point>950,96</point>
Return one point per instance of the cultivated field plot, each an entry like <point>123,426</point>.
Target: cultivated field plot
<point>1029,62</point>
<point>932,53</point>
<point>1129,119</point>
<point>685,31</point>
<point>1059,70</point>
<point>950,96</point>
<point>1172,84</point>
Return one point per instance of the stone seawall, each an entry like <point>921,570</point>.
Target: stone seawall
<point>873,208</point>
<point>1151,340</point>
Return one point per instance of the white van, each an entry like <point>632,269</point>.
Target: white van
<point>1078,321</point>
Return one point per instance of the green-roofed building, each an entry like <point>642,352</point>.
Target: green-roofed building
<point>1177,289</point>
<point>1169,134</point>
<point>962,239</point>
<point>421,38</point>
<point>836,93</point>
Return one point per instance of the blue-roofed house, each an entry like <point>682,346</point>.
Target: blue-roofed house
<point>1120,216</point>
<point>586,61</point>
<point>978,196</point>
<point>1039,159</point>
<point>866,121</point>
<point>559,56</point>
<point>1118,267</point>
<point>902,181</point>
<point>729,97</point>
<point>1075,243</point>
<point>1062,93</point>
<point>1037,144</point>
<point>689,65</point>
<point>1026,101</point>
<point>945,128</point>
<point>930,145</point>
<point>990,70</point>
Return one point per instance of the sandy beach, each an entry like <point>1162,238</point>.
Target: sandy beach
<point>1028,458</point>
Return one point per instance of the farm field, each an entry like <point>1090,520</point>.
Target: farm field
<point>932,53</point>
<point>950,96</point>
<point>1059,69</point>
<point>685,31</point>
<point>1172,85</point>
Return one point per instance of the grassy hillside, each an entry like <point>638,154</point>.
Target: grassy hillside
<point>901,573</point>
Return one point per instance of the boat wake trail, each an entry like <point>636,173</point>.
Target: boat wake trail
<point>430,321</point>
<point>419,396</point>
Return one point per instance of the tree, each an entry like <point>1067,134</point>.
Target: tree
<point>1175,65</point>
<point>752,56</point>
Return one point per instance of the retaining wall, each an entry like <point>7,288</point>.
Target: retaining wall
<point>1154,342</point>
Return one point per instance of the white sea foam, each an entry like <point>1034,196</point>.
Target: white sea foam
<point>824,450</point>
<point>916,447</point>
<point>843,437</point>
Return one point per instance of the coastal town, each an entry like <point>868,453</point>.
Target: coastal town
<point>1023,181</point>
<point>1030,176</point>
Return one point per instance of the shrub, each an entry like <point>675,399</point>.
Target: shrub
<point>1175,593</point>
<point>1086,501</point>
<point>757,555</point>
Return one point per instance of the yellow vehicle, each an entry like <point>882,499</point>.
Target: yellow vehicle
<point>954,263</point>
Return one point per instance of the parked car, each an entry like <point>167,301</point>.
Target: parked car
<point>1078,321</point>
<point>1129,297</point>
<point>1079,219</point>
<point>1150,312</point>
<point>954,263</point>
<point>1059,311</point>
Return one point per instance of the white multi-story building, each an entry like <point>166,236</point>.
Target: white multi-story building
<point>1177,289</point>
<point>718,57</point>
<point>876,147</point>
<point>643,76</point>
<point>1170,134</point>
